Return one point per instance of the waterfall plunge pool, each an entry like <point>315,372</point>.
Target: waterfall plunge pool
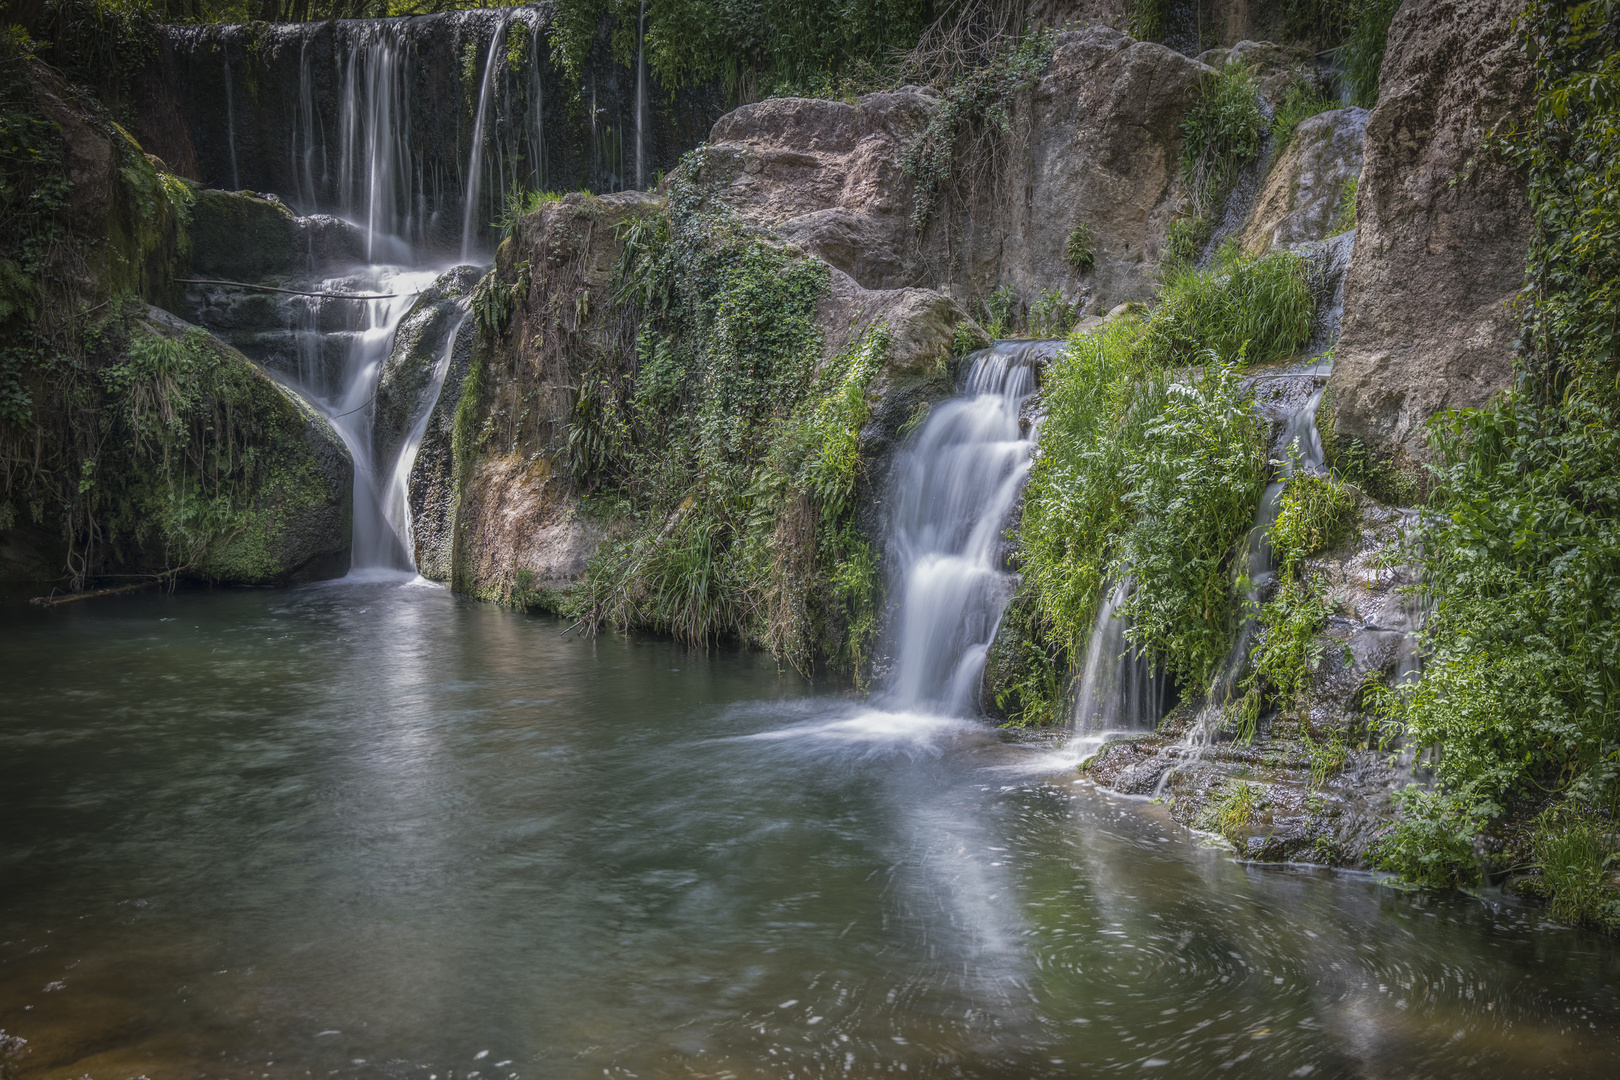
<point>374,830</point>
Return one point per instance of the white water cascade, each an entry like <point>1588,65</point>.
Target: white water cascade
<point>1121,688</point>
<point>954,490</point>
<point>475,162</point>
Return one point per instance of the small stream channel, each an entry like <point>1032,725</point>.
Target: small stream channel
<point>374,830</point>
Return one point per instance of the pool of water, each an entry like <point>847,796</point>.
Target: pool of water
<point>372,830</point>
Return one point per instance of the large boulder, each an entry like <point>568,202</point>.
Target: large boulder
<point>1306,187</point>
<point>293,500</point>
<point>245,236</point>
<point>1443,227</point>
<point>1095,143</point>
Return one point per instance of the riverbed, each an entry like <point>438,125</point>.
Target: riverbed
<point>375,830</point>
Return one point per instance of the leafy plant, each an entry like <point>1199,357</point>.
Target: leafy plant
<point>1001,312</point>
<point>1432,845</point>
<point>1290,645</point>
<point>1221,132</point>
<point>1316,513</point>
<point>1301,101</point>
<point>1051,315</point>
<point>1081,248</point>
<point>1577,855</point>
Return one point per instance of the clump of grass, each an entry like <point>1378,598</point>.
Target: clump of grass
<point>1001,313</point>
<point>1301,101</point>
<point>1081,248</point>
<point>1578,858</point>
<point>520,202</point>
<point>1260,308</point>
<point>1236,810</point>
<point>1316,513</point>
<point>1220,133</point>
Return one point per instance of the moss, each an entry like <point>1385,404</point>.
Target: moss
<point>241,236</point>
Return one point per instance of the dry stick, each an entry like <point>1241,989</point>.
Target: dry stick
<point>292,292</point>
<point>68,598</point>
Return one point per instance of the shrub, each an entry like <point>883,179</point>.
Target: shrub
<point>1081,248</point>
<point>1050,315</point>
<point>1290,647</point>
<point>1432,845</point>
<point>1316,513</point>
<point>1144,472</point>
<point>1258,307</point>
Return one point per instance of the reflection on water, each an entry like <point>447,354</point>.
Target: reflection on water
<point>373,830</point>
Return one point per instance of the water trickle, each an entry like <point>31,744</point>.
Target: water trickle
<point>641,94</point>
<point>1121,688</point>
<point>955,489</point>
<point>230,125</point>
<point>475,161</point>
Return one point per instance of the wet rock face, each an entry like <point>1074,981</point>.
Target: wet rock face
<point>245,236</point>
<point>1443,226</point>
<point>406,386</point>
<point>1303,192</point>
<point>1096,144</point>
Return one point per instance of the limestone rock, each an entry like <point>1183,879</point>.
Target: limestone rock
<point>409,384</point>
<point>1305,187</point>
<point>245,236</point>
<point>1443,226</point>
<point>1097,143</point>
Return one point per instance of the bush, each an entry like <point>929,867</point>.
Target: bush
<point>1145,472</point>
<point>1081,248</point>
<point>1432,845</point>
<point>1050,315</point>
<point>1261,308</point>
<point>1220,134</point>
<point>1290,647</point>
<point>1316,514</point>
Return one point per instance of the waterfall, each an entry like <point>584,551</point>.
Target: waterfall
<point>1121,688</point>
<point>230,126</point>
<point>954,490</point>
<point>475,163</point>
<point>641,93</point>
<point>395,497</point>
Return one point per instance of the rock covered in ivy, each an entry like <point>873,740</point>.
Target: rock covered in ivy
<point>1443,226</point>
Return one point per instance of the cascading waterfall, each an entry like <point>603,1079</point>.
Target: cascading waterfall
<point>955,488</point>
<point>230,125</point>
<point>475,162</point>
<point>641,94</point>
<point>1121,688</point>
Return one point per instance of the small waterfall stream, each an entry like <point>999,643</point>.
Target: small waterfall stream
<point>955,488</point>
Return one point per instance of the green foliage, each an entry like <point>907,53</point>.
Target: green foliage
<point>1001,313</point>
<point>1362,56</point>
<point>1344,215</point>
<point>1577,855</point>
<point>1145,19</point>
<point>1432,845</point>
<point>1316,514</point>
<point>1260,308</point>
<point>1301,101</point>
<point>1221,132</point>
<point>521,202</point>
<point>734,447</point>
<point>1051,315</point>
<point>969,132</point>
<point>1022,674</point>
<point>1235,810</point>
<point>1521,546</point>
<point>1290,645</point>
<point>1081,248</point>
<point>1146,469</point>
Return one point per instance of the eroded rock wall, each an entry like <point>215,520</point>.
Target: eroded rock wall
<point>1443,227</point>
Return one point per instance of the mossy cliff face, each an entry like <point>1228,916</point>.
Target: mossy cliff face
<point>674,420</point>
<point>134,442</point>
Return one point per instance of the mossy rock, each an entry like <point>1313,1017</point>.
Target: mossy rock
<point>289,492</point>
<point>243,236</point>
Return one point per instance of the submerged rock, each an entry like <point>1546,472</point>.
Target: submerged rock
<point>1443,227</point>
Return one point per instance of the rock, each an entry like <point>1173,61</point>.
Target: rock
<point>408,386</point>
<point>922,326</point>
<point>1096,143</point>
<point>827,176</point>
<point>1443,227</point>
<point>1305,187</point>
<point>296,502</point>
<point>244,236</point>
